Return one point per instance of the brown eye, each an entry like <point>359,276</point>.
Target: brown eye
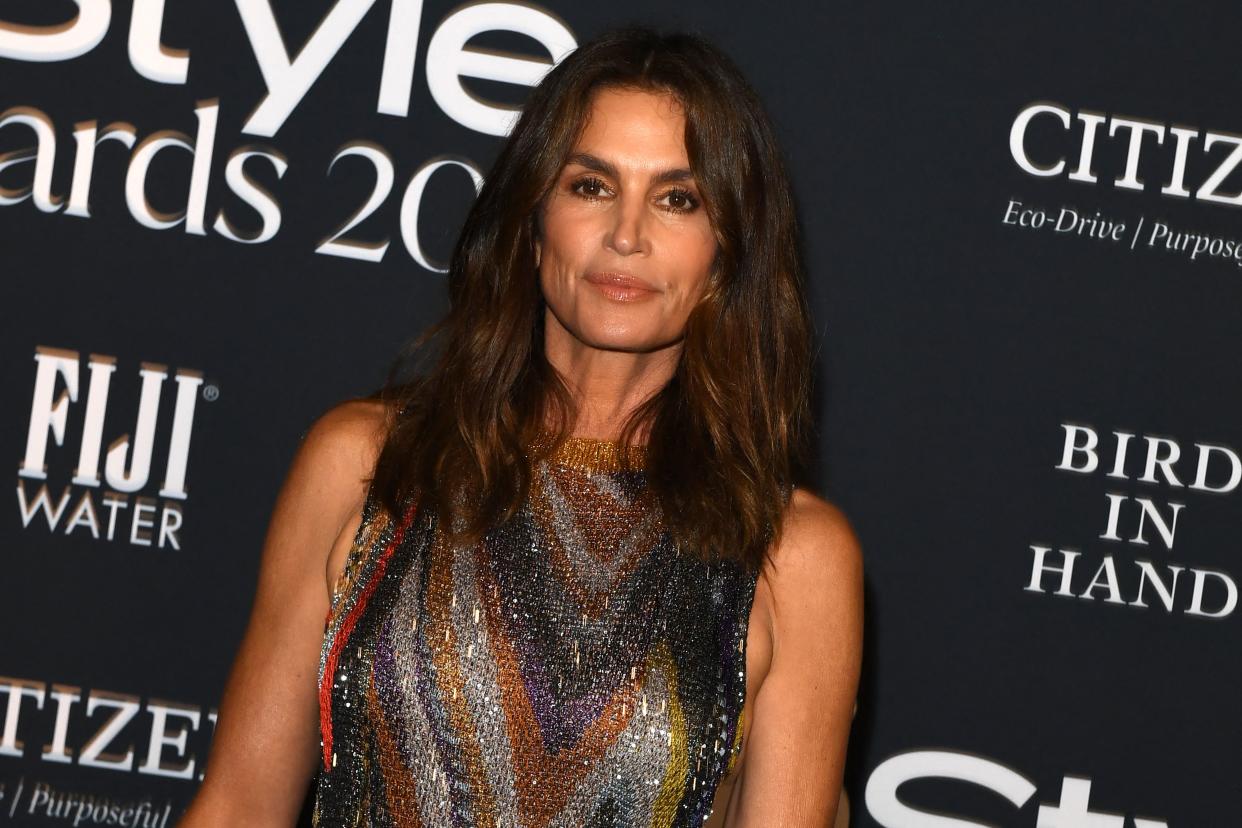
<point>681,201</point>
<point>588,188</point>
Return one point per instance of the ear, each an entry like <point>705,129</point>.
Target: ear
<point>538,252</point>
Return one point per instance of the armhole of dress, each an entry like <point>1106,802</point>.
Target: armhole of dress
<point>750,583</point>
<point>359,548</point>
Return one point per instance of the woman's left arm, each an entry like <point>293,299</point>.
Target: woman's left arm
<point>791,777</point>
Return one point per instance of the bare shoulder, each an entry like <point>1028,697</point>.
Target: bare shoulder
<point>339,449</point>
<point>812,580</point>
<point>337,459</point>
<point>327,480</point>
<point>817,545</point>
<point>350,431</point>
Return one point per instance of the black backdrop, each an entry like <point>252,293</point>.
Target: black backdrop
<point>986,333</point>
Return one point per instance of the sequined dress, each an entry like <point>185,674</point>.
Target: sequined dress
<point>573,669</point>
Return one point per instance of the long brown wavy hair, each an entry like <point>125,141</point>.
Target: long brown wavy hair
<point>728,433</point>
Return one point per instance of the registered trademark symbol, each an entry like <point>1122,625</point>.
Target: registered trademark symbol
<point>211,392</point>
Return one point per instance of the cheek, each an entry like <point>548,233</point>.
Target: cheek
<point>567,236</point>
<point>555,256</point>
<point>696,254</point>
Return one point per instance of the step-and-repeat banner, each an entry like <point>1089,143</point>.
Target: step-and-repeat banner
<point>1025,253</point>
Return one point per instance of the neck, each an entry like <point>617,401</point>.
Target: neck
<point>606,384</point>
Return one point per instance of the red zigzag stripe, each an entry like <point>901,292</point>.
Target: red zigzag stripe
<point>342,635</point>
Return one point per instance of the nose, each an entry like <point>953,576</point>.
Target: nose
<point>627,235</point>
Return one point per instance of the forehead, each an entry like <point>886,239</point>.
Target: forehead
<point>635,126</point>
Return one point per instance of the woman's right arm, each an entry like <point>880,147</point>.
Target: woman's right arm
<point>266,742</point>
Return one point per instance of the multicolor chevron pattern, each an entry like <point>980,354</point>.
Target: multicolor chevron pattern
<point>573,669</point>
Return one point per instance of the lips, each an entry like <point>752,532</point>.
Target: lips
<point>618,280</point>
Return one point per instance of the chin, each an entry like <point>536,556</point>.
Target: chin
<point>620,340</point>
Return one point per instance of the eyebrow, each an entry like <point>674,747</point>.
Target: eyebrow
<point>593,162</point>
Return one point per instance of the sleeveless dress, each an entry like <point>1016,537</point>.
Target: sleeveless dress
<point>575,668</point>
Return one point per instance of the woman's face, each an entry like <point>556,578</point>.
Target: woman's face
<point>626,245</point>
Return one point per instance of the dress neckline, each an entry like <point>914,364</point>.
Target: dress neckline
<point>593,454</point>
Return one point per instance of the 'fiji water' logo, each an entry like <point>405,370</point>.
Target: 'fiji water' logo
<point>109,495</point>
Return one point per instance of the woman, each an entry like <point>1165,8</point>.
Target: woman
<point>568,579</point>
